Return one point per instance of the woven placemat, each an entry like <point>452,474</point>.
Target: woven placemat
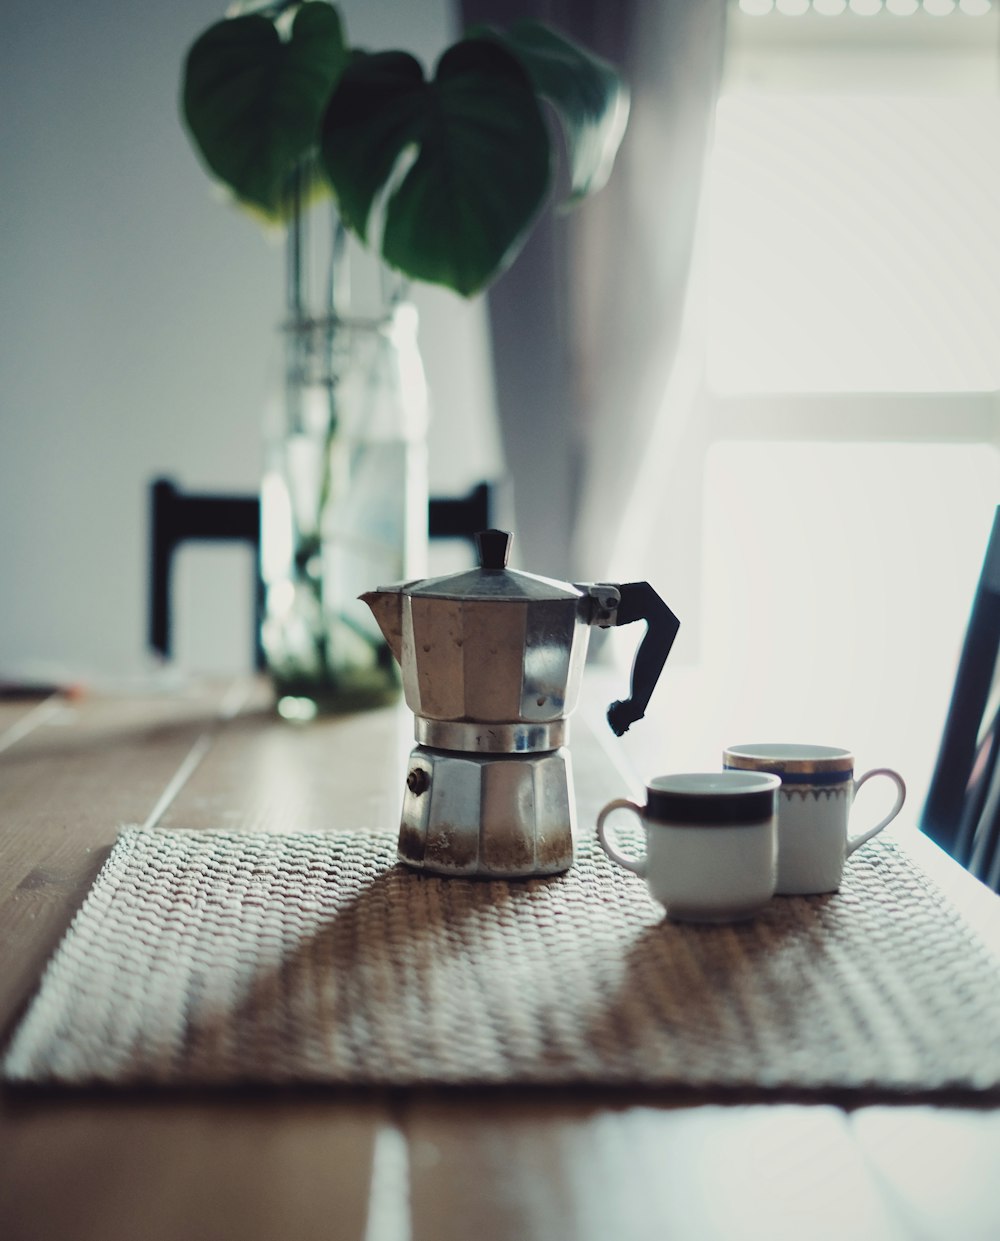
<point>205,958</point>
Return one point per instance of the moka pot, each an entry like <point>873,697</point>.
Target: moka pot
<point>492,662</point>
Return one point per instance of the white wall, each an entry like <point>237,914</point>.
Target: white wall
<point>138,332</point>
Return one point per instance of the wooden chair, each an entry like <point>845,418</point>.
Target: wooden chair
<point>962,810</point>
<point>178,517</point>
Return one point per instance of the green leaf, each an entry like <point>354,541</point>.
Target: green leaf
<point>459,212</point>
<point>374,115</point>
<point>588,95</point>
<point>253,101</point>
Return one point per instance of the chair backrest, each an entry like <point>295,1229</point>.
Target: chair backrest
<point>178,517</point>
<point>962,810</point>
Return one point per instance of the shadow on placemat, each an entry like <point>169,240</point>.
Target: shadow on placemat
<point>205,959</point>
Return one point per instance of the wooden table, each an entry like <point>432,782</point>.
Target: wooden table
<point>390,1165</point>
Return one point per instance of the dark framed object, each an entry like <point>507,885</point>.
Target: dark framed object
<point>177,517</point>
<point>962,810</point>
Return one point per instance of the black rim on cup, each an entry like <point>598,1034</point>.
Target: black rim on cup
<point>724,799</point>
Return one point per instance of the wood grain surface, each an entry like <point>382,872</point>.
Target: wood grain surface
<point>401,1166</point>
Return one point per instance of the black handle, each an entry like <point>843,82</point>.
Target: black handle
<point>639,601</point>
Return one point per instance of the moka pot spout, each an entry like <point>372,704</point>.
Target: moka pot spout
<point>386,604</point>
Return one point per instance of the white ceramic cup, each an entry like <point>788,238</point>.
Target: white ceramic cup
<point>814,809</point>
<point>711,843</point>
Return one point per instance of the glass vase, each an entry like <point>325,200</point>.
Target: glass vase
<point>344,494</point>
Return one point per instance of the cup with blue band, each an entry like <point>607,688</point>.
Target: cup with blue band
<point>814,809</point>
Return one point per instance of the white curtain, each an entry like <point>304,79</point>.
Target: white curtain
<point>586,324</point>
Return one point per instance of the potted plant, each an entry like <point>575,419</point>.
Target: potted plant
<point>440,177</point>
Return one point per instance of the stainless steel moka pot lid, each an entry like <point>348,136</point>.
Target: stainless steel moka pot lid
<point>491,579</point>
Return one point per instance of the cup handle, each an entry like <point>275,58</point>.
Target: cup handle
<point>854,842</point>
<point>637,865</point>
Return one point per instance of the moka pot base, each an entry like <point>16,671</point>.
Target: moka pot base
<point>497,816</point>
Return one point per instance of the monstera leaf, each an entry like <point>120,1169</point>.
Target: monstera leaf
<point>463,160</point>
<point>443,177</point>
<point>587,94</point>
<point>253,100</point>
